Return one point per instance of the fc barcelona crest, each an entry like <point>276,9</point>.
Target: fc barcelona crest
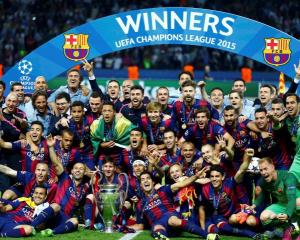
<point>76,46</point>
<point>277,51</point>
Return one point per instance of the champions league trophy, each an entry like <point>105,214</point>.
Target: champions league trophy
<point>110,198</point>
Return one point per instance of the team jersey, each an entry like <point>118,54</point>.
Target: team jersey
<point>206,136</point>
<point>26,183</point>
<point>282,190</point>
<point>68,195</point>
<point>133,114</point>
<point>66,156</point>
<point>169,159</point>
<point>240,134</point>
<point>29,159</point>
<point>184,116</point>
<point>134,187</point>
<point>10,117</point>
<point>277,147</point>
<point>82,141</point>
<point>155,206</point>
<point>155,134</point>
<point>223,202</point>
<point>126,159</point>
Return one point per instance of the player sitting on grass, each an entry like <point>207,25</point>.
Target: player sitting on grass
<point>17,215</point>
<point>156,208</point>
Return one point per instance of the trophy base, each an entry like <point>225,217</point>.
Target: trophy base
<point>108,230</point>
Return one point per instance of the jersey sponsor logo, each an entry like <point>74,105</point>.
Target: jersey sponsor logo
<point>153,204</point>
<point>277,51</point>
<point>76,46</point>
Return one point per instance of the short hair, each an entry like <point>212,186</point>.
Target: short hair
<point>170,130</point>
<point>239,80</point>
<point>43,186</point>
<point>230,107</point>
<point>217,88</point>
<point>153,106</point>
<point>108,159</point>
<point>266,159</point>
<point>137,130</point>
<point>110,104</point>
<point>267,86</point>
<point>95,94</point>
<point>186,72</point>
<point>203,110</point>
<point>163,87</point>
<point>37,94</point>
<point>217,168</point>
<point>62,95</point>
<point>15,84</point>
<point>188,83</point>
<point>274,87</point>
<point>261,109</point>
<point>67,131</point>
<point>37,123</point>
<point>186,143</point>
<point>137,87</point>
<point>239,93</point>
<point>113,80</point>
<point>277,101</point>
<point>3,84</point>
<point>291,95</point>
<point>75,70</point>
<point>146,173</point>
<point>173,164</point>
<point>77,104</point>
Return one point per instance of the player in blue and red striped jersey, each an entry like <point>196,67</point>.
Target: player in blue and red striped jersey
<point>276,145</point>
<point>71,193</point>
<point>128,155</point>
<point>95,107</point>
<point>172,155</point>
<point>154,126</point>
<point>192,158</point>
<point>184,110</point>
<point>240,131</point>
<point>156,208</point>
<point>80,126</point>
<point>20,213</point>
<point>219,202</point>
<point>65,151</point>
<point>27,181</point>
<point>205,131</point>
<point>30,159</point>
<point>162,96</point>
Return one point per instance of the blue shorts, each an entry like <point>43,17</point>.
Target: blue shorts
<point>57,220</point>
<point>7,224</point>
<point>214,219</point>
<point>163,221</point>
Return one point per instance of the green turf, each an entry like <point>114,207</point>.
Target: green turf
<point>91,235</point>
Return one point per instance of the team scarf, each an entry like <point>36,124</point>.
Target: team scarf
<point>120,131</point>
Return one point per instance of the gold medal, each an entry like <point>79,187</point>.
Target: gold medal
<point>81,144</point>
<point>183,126</point>
<point>294,138</point>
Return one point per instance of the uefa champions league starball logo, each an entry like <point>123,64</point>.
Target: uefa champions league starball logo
<point>25,67</point>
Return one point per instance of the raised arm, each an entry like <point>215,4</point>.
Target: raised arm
<point>8,171</point>
<point>6,145</point>
<point>200,174</point>
<point>54,159</point>
<point>248,154</point>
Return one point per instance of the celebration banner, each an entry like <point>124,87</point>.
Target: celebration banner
<point>154,26</point>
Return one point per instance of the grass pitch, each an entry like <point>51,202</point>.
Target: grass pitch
<point>82,234</point>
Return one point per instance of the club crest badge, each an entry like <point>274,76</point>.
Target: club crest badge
<point>76,46</point>
<point>277,51</point>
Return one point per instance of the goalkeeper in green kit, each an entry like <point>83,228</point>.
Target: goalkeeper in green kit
<point>281,187</point>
